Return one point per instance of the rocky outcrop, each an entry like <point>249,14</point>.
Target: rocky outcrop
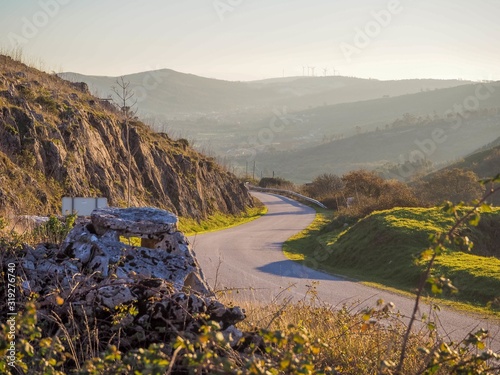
<point>58,140</point>
<point>152,292</point>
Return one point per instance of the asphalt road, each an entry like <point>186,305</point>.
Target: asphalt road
<point>249,258</point>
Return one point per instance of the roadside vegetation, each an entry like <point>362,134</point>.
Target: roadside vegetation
<point>385,247</point>
<point>379,227</point>
<point>221,221</point>
<point>308,337</point>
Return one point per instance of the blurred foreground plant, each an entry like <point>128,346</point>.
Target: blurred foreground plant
<point>475,363</point>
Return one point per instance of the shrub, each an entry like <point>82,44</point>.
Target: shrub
<point>333,201</point>
<point>48,103</point>
<point>275,182</point>
<point>369,192</point>
<point>454,185</point>
<point>183,143</point>
<point>325,185</point>
<point>363,183</point>
<point>52,231</point>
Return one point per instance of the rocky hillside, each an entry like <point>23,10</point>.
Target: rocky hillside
<point>57,140</point>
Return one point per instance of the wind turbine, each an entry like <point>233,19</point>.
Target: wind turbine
<point>325,70</point>
<point>312,69</point>
<point>303,70</point>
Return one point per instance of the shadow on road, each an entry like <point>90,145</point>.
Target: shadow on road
<point>288,268</point>
<point>288,213</point>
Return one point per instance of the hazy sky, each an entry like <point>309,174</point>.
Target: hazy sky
<point>253,39</point>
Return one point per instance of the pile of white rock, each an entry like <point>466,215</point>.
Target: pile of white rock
<point>157,286</point>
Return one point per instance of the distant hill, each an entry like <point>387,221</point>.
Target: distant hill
<point>311,92</point>
<point>483,161</point>
<point>56,139</point>
<point>371,113</point>
<point>170,93</point>
<point>245,133</point>
<point>387,148</point>
<point>173,94</point>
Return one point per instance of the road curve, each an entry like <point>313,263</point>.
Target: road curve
<point>250,256</point>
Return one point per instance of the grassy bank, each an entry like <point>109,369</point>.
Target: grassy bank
<point>384,248</point>
<point>219,221</point>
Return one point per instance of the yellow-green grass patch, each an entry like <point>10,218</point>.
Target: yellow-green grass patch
<point>384,249</point>
<point>220,221</point>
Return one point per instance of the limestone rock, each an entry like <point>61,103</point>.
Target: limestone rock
<point>140,222</point>
<point>81,86</point>
<point>98,276</point>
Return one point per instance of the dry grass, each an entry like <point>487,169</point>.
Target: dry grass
<point>356,342</point>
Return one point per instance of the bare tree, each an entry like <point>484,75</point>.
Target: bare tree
<point>126,102</point>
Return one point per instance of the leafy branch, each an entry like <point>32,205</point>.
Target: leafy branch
<point>438,246</point>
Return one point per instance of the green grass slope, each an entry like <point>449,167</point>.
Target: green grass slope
<point>385,248</point>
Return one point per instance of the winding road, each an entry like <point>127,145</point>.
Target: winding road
<point>249,258</point>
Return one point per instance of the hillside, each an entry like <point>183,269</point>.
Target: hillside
<point>172,94</point>
<point>389,147</point>
<point>56,139</point>
<point>485,162</point>
<point>367,115</point>
<point>312,92</point>
<point>246,132</point>
<point>397,237</point>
